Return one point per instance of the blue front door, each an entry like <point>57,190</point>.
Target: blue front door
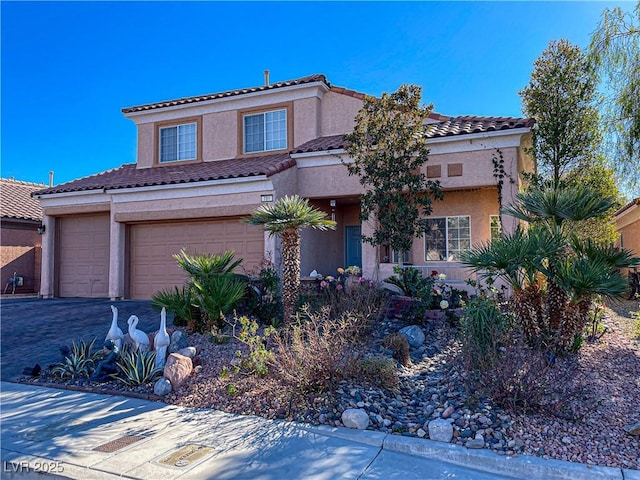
<point>353,246</point>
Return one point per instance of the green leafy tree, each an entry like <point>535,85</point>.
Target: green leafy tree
<point>600,178</point>
<point>388,148</point>
<point>560,97</point>
<point>615,53</point>
<point>284,218</point>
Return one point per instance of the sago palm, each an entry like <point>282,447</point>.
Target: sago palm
<point>284,219</point>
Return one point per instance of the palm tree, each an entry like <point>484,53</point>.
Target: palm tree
<point>284,218</point>
<point>554,274</point>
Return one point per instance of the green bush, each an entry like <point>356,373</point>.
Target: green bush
<point>483,330</point>
<point>177,301</point>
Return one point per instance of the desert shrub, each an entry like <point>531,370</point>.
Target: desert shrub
<point>412,283</point>
<point>636,323</point>
<point>364,299</point>
<point>269,308</point>
<point>399,345</point>
<point>318,350</point>
<point>79,362</point>
<point>136,367</point>
<point>379,371</point>
<point>483,332</point>
<point>528,380</point>
<point>257,359</point>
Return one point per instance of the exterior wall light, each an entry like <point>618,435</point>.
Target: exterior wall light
<point>41,229</point>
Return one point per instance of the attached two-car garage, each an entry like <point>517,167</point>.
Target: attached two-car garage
<point>151,246</point>
<point>84,249</point>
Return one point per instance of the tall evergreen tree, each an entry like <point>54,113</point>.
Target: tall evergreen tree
<point>388,148</point>
<point>560,97</point>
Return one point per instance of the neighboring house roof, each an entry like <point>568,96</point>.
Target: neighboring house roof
<point>232,93</point>
<point>128,176</point>
<point>635,201</point>
<point>16,201</point>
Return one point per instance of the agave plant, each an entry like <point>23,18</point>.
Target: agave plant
<point>137,368</point>
<point>80,362</point>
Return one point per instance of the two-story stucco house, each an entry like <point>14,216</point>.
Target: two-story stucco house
<point>204,162</point>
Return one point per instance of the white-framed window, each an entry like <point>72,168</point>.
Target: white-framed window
<point>496,227</point>
<point>446,238</point>
<point>178,142</point>
<point>395,257</point>
<point>265,131</point>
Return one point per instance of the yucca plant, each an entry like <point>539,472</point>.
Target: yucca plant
<point>284,219</point>
<point>137,368</point>
<point>80,362</point>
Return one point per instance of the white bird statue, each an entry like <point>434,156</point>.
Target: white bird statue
<point>115,334</point>
<point>162,340</point>
<point>138,336</point>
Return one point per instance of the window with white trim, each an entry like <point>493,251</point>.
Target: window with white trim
<point>496,227</point>
<point>178,142</point>
<point>446,238</point>
<point>265,131</point>
<point>395,256</point>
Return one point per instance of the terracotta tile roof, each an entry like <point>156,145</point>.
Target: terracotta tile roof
<point>16,201</point>
<point>229,93</point>
<point>128,176</point>
<point>445,127</point>
<point>472,124</point>
<point>635,201</point>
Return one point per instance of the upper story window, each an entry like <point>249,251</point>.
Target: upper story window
<point>265,131</point>
<point>446,238</point>
<point>178,142</point>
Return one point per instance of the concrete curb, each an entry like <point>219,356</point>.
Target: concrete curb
<point>532,468</point>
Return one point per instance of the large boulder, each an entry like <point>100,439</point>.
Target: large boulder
<point>178,342</point>
<point>414,334</point>
<point>177,369</point>
<point>440,430</point>
<point>355,418</point>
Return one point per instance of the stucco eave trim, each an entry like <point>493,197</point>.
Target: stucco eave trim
<point>333,152</point>
<point>230,98</point>
<point>180,186</point>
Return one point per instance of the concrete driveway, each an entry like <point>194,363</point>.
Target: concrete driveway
<point>32,330</point>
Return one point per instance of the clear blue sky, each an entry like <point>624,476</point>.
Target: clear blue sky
<point>69,67</point>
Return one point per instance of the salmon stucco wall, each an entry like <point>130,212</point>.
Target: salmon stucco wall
<point>219,135</point>
<point>338,113</point>
<point>628,225</point>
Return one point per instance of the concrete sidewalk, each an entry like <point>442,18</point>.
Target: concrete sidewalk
<point>92,437</point>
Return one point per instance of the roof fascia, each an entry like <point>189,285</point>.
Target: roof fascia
<point>320,87</point>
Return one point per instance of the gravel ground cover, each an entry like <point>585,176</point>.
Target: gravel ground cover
<point>584,425</point>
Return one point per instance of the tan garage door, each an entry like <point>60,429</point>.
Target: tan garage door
<point>152,267</point>
<point>83,264</point>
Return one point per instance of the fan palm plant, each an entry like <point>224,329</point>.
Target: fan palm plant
<point>554,275</point>
<point>284,219</point>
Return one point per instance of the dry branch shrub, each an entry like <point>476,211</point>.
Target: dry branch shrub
<point>399,345</point>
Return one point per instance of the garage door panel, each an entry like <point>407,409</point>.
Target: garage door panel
<point>152,267</point>
<point>84,256</point>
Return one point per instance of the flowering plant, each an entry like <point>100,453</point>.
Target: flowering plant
<point>354,270</point>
